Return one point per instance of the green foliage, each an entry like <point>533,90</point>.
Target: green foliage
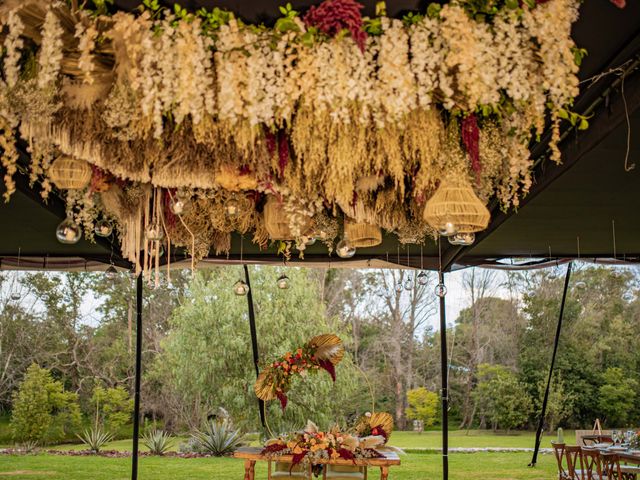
<point>501,397</point>
<point>207,360</point>
<point>42,410</point>
<point>95,438</point>
<point>559,403</point>
<point>219,438</point>
<point>616,397</point>
<point>157,441</point>
<point>423,405</point>
<point>113,407</point>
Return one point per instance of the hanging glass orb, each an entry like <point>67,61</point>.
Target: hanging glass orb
<point>423,278</point>
<point>580,285</point>
<point>232,207</point>
<point>15,296</point>
<point>103,228</point>
<point>283,282</point>
<point>177,206</point>
<point>440,290</point>
<point>344,249</point>
<point>462,239</point>
<point>152,249</point>
<point>154,233</point>
<point>311,241</point>
<point>447,229</point>
<point>240,288</point>
<point>68,232</point>
<point>111,273</point>
<point>408,284</point>
<point>398,287</point>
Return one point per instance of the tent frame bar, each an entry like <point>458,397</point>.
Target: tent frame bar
<point>136,394</point>
<point>444,375</point>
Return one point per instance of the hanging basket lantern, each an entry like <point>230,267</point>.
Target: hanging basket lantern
<point>362,235</point>
<point>455,208</point>
<point>276,221</point>
<point>70,173</point>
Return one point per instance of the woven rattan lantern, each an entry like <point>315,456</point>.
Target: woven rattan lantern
<point>455,208</point>
<point>276,221</point>
<point>362,235</point>
<point>70,173</point>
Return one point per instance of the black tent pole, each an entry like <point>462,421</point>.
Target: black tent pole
<point>136,391</point>
<point>444,374</point>
<point>534,459</point>
<point>254,340</point>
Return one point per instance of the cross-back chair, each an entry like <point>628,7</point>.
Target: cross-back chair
<point>592,464</point>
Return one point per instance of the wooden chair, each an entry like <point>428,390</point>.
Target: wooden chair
<point>611,466</point>
<point>592,463</point>
<point>284,470</point>
<point>559,450</point>
<point>575,465</point>
<point>629,467</point>
<point>344,472</point>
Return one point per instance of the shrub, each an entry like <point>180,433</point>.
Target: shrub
<point>423,405</point>
<point>157,441</point>
<point>42,411</point>
<point>219,438</point>
<point>95,438</point>
<point>113,407</point>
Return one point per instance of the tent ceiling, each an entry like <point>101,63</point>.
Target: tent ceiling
<point>580,198</point>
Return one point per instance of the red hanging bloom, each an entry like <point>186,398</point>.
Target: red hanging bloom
<point>329,367</point>
<point>619,3</point>
<point>471,139</point>
<point>283,400</point>
<point>333,16</point>
<point>283,152</point>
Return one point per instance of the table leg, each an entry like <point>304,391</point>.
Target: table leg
<point>384,473</point>
<point>249,469</point>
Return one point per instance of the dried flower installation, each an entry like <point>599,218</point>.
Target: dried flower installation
<point>192,126</point>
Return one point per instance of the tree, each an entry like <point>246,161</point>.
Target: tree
<point>113,407</point>
<point>42,410</point>
<point>501,397</point>
<point>207,362</point>
<point>423,406</point>
<point>559,404</point>
<point>616,397</point>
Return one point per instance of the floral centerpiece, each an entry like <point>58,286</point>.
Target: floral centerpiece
<point>312,446</point>
<point>321,352</point>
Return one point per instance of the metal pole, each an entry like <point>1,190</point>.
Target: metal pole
<point>553,361</point>
<point>136,391</point>
<point>254,340</point>
<point>444,375</point>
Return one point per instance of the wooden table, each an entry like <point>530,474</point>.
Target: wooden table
<point>251,455</point>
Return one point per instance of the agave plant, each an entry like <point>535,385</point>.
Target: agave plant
<point>95,438</point>
<point>157,441</point>
<point>28,446</point>
<point>219,438</point>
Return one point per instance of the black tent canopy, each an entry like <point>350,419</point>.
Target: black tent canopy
<point>574,209</point>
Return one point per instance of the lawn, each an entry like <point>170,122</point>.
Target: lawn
<point>494,466</point>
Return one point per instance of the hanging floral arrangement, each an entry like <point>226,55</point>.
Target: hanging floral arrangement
<point>321,352</point>
<point>192,122</point>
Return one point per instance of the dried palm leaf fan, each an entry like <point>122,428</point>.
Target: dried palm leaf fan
<point>375,423</point>
<point>455,208</point>
<point>362,235</point>
<point>264,386</point>
<point>327,347</point>
<point>70,173</point>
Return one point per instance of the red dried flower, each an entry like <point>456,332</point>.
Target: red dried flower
<point>471,139</point>
<point>619,3</point>
<point>333,16</point>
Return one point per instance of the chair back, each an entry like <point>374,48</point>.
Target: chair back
<point>559,450</point>
<point>592,462</point>
<point>611,466</point>
<point>575,464</point>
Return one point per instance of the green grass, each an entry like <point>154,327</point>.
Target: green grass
<point>472,439</point>
<point>477,466</point>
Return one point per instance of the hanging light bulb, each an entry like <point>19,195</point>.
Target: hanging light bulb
<point>177,206</point>
<point>440,290</point>
<point>15,296</point>
<point>462,239</point>
<point>310,241</point>
<point>398,287</point>
<point>154,233</point>
<point>68,232</point>
<point>344,249</point>
<point>408,284</point>
<point>447,229</point>
<point>152,250</point>
<point>111,273</point>
<point>240,288</point>
<point>423,279</point>
<point>103,228</point>
<point>232,207</point>
<point>580,285</point>
<point>283,282</point>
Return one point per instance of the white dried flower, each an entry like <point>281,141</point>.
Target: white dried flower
<point>13,44</point>
<point>50,56</point>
